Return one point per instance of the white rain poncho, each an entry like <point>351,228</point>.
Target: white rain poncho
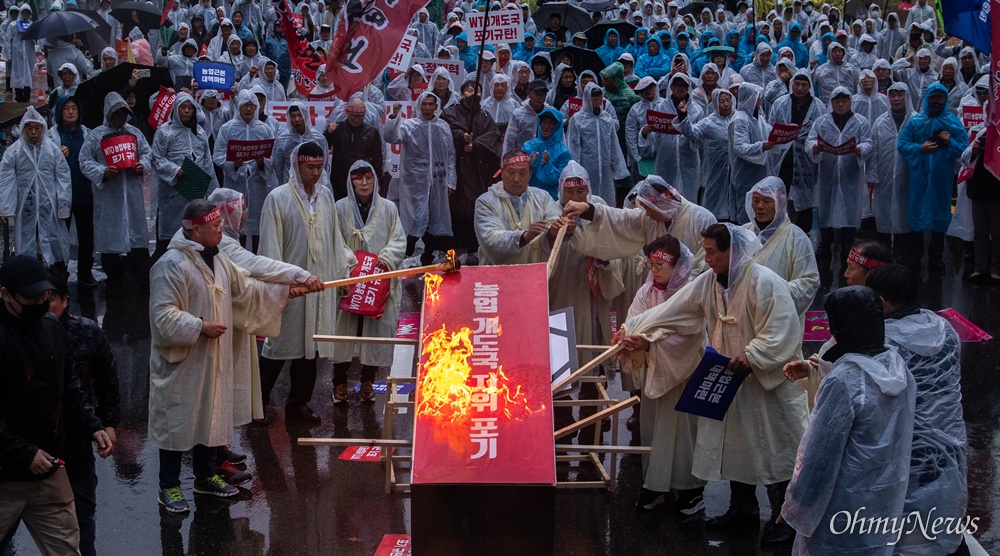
<point>62,53</point>
<point>192,378</point>
<point>501,219</point>
<point>213,118</point>
<point>453,96</point>
<point>786,249</point>
<point>426,171</point>
<point>915,79</point>
<point>757,73</point>
<point>288,139</point>
<point>500,110</point>
<point>756,441</point>
<point>678,160</point>
<point>662,372</point>
<point>863,415</point>
<point>522,127</point>
<point>61,90</point>
<point>636,119</point>
<point>103,65</point>
<point>399,88</point>
<point>22,55</point>
<point>586,284</point>
<point>829,76</point>
<point>427,32</point>
<point>273,89</point>
<point>711,135</point>
<point>622,233</point>
<point>172,143</point>
<point>865,60</point>
<point>254,183</point>
<point>958,90</point>
<point>932,352</point>
<point>873,105</point>
<point>890,173</point>
<point>304,232</point>
<point>119,207</point>
<point>382,234</point>
<point>179,64</point>
<point>840,180</point>
<point>803,188</point>
<point>593,142</point>
<point>35,191</point>
<point>777,88</point>
<point>247,398</point>
<point>747,158</point>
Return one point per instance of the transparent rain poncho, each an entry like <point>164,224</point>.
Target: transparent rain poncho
<point>711,135</point>
<point>747,158</point>
<point>593,142</point>
<point>890,173</point>
<point>803,184</point>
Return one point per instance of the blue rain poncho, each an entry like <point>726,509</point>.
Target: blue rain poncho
<point>932,173</point>
<point>523,53</point>
<point>609,54</point>
<point>593,142</point>
<point>469,56</point>
<point>545,175</point>
<point>794,41</point>
<point>653,65</point>
<point>638,47</point>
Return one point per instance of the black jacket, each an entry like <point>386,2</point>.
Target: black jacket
<point>474,170</point>
<point>350,144</point>
<point>96,368</point>
<point>39,392</point>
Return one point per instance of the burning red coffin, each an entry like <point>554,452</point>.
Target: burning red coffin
<point>483,473</point>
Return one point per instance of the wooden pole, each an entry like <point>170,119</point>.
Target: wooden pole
<point>607,354</point>
<point>554,254</point>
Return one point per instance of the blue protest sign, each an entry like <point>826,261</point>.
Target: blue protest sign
<point>711,387</point>
<point>211,75</point>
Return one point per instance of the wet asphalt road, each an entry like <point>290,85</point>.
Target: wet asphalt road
<point>304,500</point>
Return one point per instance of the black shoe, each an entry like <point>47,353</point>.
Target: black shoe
<point>734,518</point>
<point>233,474</point>
<point>649,499</point>
<point>86,279</point>
<point>226,454</point>
<point>690,502</point>
<point>632,425</point>
<point>777,534</point>
<point>302,413</point>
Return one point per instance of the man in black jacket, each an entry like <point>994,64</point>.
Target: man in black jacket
<point>350,142</point>
<point>39,393</point>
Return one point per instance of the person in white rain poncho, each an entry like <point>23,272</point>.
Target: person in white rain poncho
<point>791,161</point>
<point>179,64</point>
<point>677,157</point>
<point>253,178</point>
<point>443,87</point>
<point>501,102</point>
<point>620,233</point>
<point>760,72</point>
<point>661,370</point>
<point>247,401</point>
<point>836,72</point>
<point>299,226</point>
<point>785,248</point>
<point>216,114</point>
<point>854,458</point>
<point>523,124</point>
<point>368,223</point>
<point>748,146</point>
<point>266,79</point>
<point>711,136</point>
<point>22,57</point>
<point>647,90</point>
<point>917,75</point>
<point>298,130</point>
<point>36,191</point>
<point>178,140</point>
<point>781,85</point>
<point>890,173</point>
<point>868,102</point>
<point>931,348</point>
<point>840,181</point>
<point>119,208</point>
<point>592,138</point>
<point>427,174</point>
<point>199,300</point>
<point>750,318</point>
<point>513,220</point>
<point>865,56</point>
<point>952,80</point>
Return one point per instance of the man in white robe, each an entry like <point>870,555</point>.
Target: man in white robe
<point>198,296</point>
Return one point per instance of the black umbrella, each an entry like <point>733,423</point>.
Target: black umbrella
<point>60,24</point>
<point>140,14</point>
<point>595,35</point>
<point>695,8</point>
<point>573,18</point>
<point>598,6</point>
<point>583,59</point>
<point>91,93</point>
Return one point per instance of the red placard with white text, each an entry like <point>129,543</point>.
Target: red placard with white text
<point>161,108</point>
<point>972,116</point>
<point>661,122</point>
<point>241,151</point>
<point>843,149</point>
<point>394,545</point>
<point>575,104</point>
<point>120,151</point>
<point>782,134</point>
<point>484,393</point>
<point>366,298</point>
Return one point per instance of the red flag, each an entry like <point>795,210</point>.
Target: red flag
<point>368,34</point>
<point>166,11</point>
<point>992,152</point>
<point>305,60</point>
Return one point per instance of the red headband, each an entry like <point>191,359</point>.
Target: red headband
<point>354,110</point>
<point>306,158</point>
<point>867,262</point>
<point>660,255</point>
<point>215,214</point>
<point>516,159</point>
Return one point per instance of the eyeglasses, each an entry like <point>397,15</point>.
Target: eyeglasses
<point>655,266</point>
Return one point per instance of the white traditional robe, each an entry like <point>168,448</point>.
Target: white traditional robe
<point>499,229</point>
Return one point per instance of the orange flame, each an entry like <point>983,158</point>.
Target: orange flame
<point>433,282</point>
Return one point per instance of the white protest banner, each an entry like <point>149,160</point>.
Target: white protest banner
<point>504,26</point>
<point>319,112</point>
<point>455,68</point>
<point>394,150</point>
<point>400,60</point>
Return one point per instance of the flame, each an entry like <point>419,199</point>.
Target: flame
<point>433,282</point>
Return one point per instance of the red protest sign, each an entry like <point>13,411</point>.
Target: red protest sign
<point>575,104</point>
<point>361,453</point>
<point>661,122</point>
<point>416,89</point>
<point>484,398</point>
<point>408,325</point>
<point>241,151</point>
<point>161,108</point>
<point>366,298</point>
<point>972,116</point>
<point>845,148</point>
<point>166,12</point>
<point>394,545</point>
<point>120,151</point>
<point>782,134</point>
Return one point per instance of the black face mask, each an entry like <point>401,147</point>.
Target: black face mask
<point>33,313</point>
<point>934,109</point>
